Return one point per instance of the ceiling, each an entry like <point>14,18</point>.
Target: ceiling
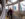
<point>9,2</point>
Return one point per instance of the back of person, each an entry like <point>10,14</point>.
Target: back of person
<point>9,11</point>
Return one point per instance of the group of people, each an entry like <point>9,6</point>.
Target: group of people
<point>10,11</point>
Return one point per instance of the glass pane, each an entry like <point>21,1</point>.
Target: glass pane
<point>22,6</point>
<point>6,8</point>
<point>10,7</point>
<point>15,7</point>
<point>13,0</point>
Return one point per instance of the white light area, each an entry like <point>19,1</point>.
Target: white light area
<point>9,2</point>
<point>22,5</point>
<point>16,7</point>
<point>6,7</point>
<point>13,1</point>
<point>0,6</point>
<point>10,7</point>
<point>23,0</point>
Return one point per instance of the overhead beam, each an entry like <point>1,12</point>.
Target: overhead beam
<point>12,3</point>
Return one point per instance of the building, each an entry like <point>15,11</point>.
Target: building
<point>16,13</point>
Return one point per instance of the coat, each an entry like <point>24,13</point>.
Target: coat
<point>9,11</point>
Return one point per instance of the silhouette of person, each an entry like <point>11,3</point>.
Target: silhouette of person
<point>10,11</point>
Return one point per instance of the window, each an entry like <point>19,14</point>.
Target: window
<point>13,1</point>
<point>15,7</point>
<point>22,6</point>
<point>6,7</point>
<point>10,7</point>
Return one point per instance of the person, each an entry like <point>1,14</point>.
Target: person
<point>10,11</point>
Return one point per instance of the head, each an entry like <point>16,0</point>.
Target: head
<point>10,8</point>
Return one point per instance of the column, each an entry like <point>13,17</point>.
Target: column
<point>3,12</point>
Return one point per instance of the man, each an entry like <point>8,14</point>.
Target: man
<point>10,11</point>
